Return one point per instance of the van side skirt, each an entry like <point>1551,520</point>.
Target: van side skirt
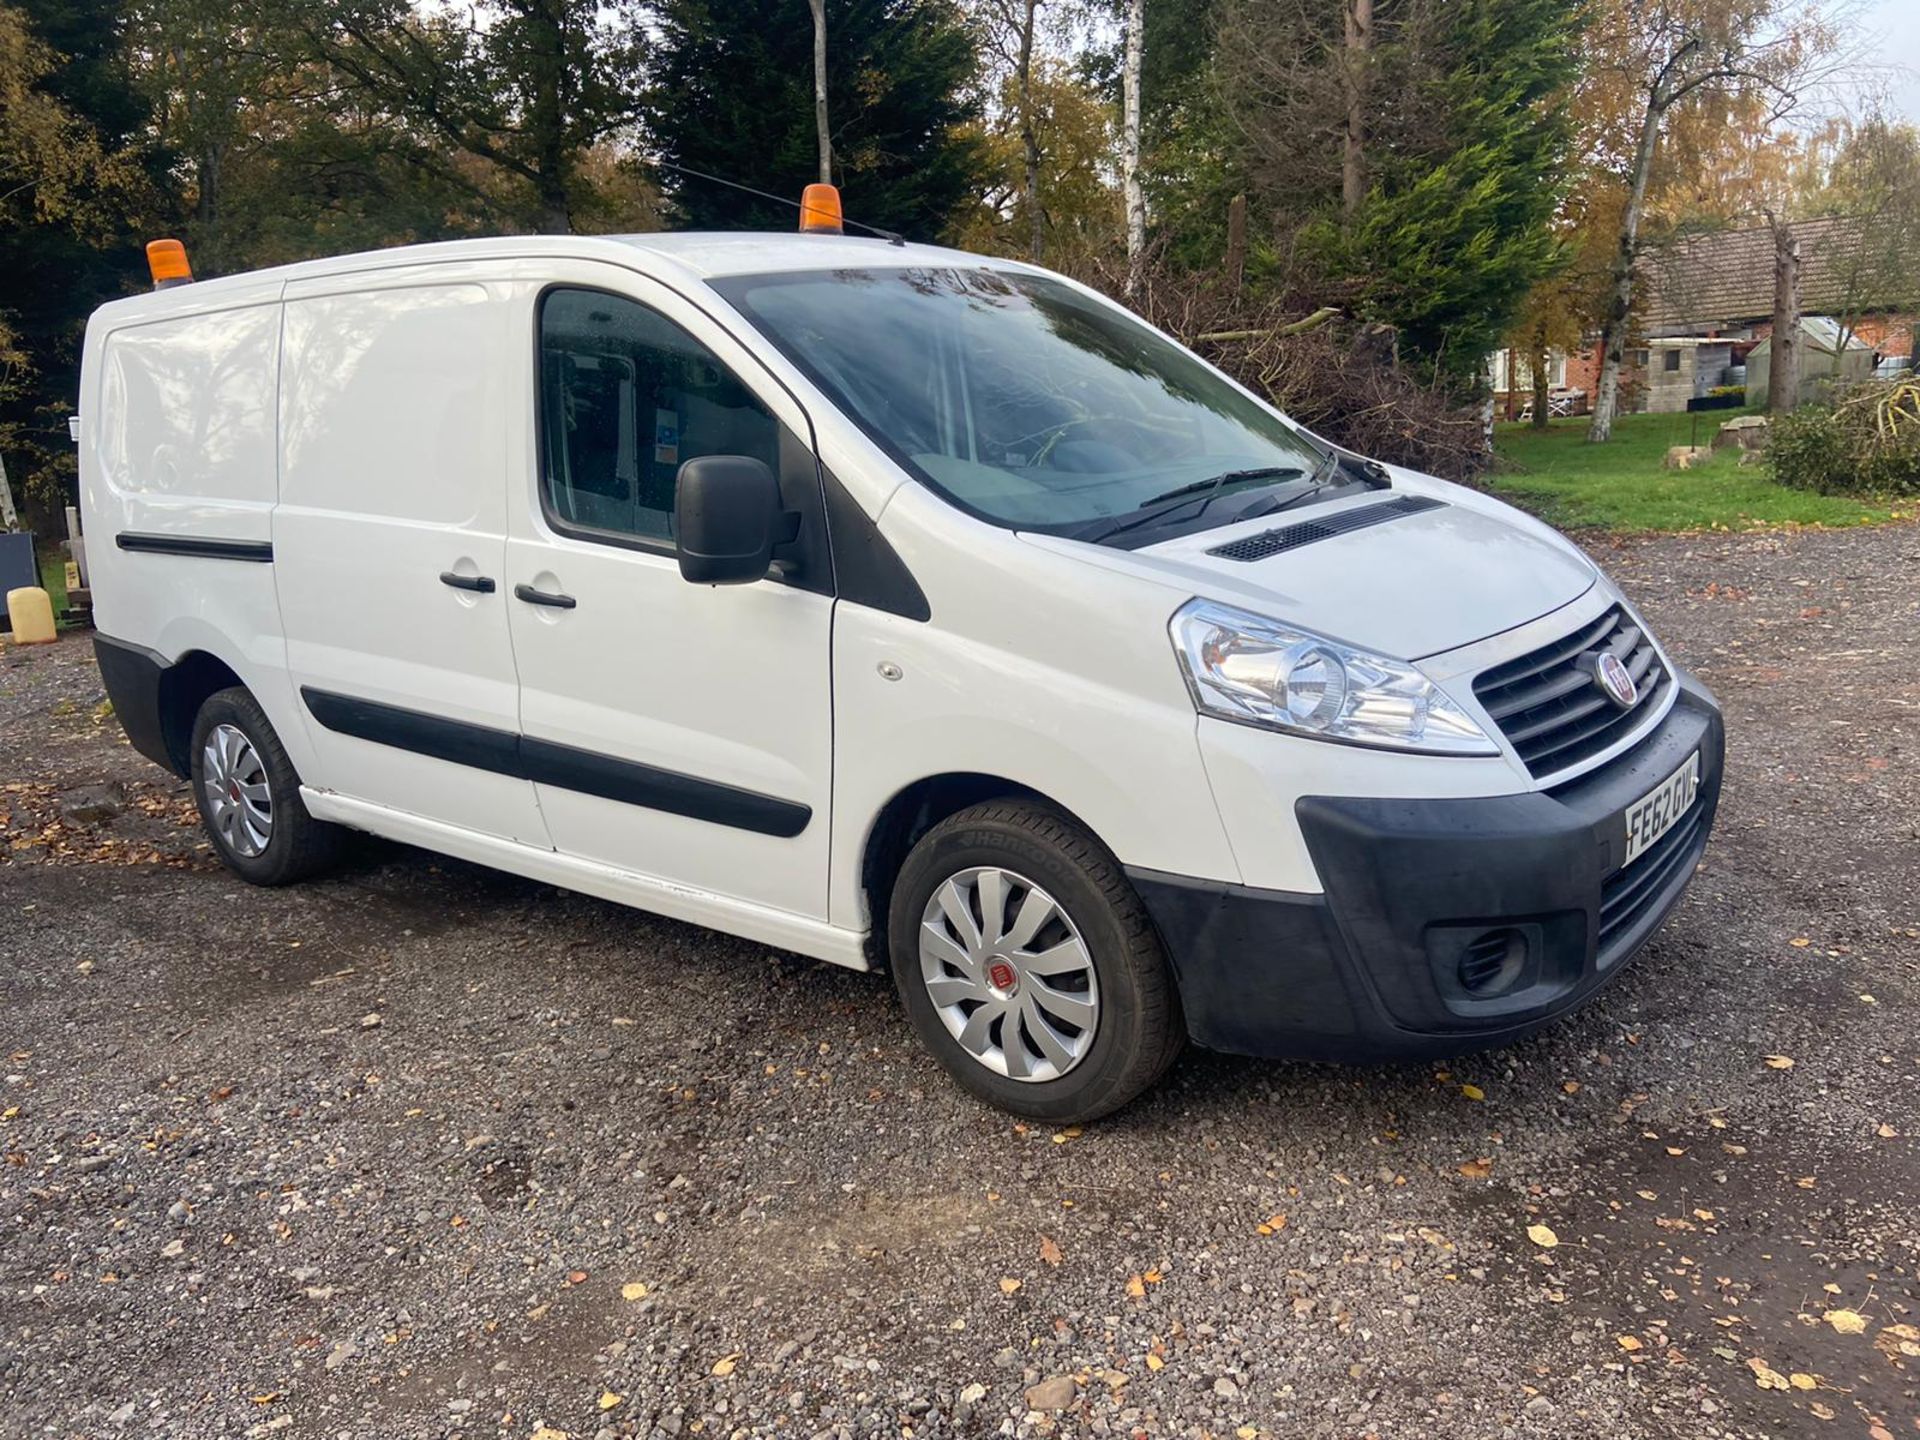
<point>546,763</point>
<point>779,928</point>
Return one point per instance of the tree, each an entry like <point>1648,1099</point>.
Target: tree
<point>1354,75</point>
<point>1136,199</point>
<point>1646,60</point>
<point>1432,211</point>
<point>1010,29</point>
<point>819,9</point>
<point>75,177</point>
<point>528,93</point>
<point>1074,202</point>
<point>1783,371</point>
<point>729,100</point>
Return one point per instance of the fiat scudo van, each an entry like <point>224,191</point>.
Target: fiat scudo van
<point>897,607</point>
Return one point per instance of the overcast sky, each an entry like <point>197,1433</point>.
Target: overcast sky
<point>1892,42</point>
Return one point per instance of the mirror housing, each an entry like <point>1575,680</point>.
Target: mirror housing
<point>727,519</point>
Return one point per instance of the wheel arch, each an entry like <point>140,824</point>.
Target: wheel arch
<point>910,813</point>
<point>185,686</point>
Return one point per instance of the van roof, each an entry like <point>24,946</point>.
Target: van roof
<point>698,254</point>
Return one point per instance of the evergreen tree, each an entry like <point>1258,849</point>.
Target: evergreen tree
<point>1455,233</point>
<point>733,97</point>
<point>1461,154</point>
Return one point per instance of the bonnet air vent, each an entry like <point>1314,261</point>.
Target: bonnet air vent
<point>1291,537</point>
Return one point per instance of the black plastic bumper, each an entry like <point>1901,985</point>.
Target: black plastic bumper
<point>135,678</point>
<point>1372,968</point>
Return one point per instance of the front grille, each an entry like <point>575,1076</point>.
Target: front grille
<point>1291,537</point>
<point>1551,708</point>
<point>1630,892</point>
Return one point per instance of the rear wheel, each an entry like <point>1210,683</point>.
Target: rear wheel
<point>249,795</point>
<point>1028,965</point>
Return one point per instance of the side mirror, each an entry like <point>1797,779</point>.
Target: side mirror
<point>727,518</point>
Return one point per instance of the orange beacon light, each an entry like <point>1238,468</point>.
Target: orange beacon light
<point>167,262</point>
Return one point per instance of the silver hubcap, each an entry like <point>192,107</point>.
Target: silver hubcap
<point>237,794</point>
<point>1009,975</point>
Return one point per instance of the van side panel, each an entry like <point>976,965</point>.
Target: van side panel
<point>393,466</point>
<point>178,474</point>
<point>1035,670</point>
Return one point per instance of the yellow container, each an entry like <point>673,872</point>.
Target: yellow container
<point>30,612</point>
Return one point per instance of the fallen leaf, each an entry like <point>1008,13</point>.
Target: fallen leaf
<point>1824,1412</point>
<point>1703,1214</point>
<point>1136,1287</point>
<point>1765,1376</point>
<point>1008,1285</point>
<point>1887,1132</point>
<point>1473,1092</point>
<point>1629,1343</point>
<point>1572,1087</point>
<point>1800,942</point>
<point>1477,1169</point>
<point>576,1277</point>
<point>1800,1380</point>
<point>608,1400</point>
<point>1153,1277</point>
<point>724,1365</point>
<point>1050,1250</point>
<point>1676,1150</point>
<point>1246,1432</point>
<point>1779,1062</point>
<point>1542,1236</point>
<point>633,1290</point>
<point>1846,1322</point>
<point>1154,1362</point>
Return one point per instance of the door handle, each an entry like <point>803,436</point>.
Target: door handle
<point>541,597</point>
<point>479,584</point>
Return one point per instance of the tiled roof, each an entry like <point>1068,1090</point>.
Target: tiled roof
<point>1721,278</point>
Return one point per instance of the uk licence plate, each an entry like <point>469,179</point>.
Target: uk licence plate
<point>1656,812</point>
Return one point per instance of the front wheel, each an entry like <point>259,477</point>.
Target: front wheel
<point>1028,965</point>
<point>249,795</point>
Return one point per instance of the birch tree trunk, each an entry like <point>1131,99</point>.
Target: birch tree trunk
<point>1029,137</point>
<point>819,8</point>
<point>1613,330</point>
<point>1353,152</point>
<point>1136,200</point>
<point>1783,372</point>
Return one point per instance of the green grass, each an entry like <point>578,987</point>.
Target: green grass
<point>53,577</point>
<point>1622,485</point>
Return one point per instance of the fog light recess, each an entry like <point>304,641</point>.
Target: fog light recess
<point>1492,962</point>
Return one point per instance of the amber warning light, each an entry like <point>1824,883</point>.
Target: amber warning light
<point>167,262</point>
<point>820,210</point>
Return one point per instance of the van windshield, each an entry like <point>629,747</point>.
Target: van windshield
<point>1023,400</point>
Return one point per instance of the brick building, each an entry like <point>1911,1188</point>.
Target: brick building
<point>1705,300</point>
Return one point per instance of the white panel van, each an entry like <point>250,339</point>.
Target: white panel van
<point>891,605</point>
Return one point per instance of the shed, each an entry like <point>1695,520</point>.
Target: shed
<point>1829,353</point>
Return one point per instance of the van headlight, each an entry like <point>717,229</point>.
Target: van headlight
<point>1247,668</point>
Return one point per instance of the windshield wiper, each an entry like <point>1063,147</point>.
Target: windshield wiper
<point>1158,507</point>
<point>1218,482</point>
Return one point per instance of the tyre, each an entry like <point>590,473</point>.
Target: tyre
<point>1029,967</point>
<point>249,795</point>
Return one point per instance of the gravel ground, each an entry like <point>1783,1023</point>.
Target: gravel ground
<point>423,1150</point>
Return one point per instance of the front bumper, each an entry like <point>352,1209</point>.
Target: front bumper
<point>1371,968</point>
